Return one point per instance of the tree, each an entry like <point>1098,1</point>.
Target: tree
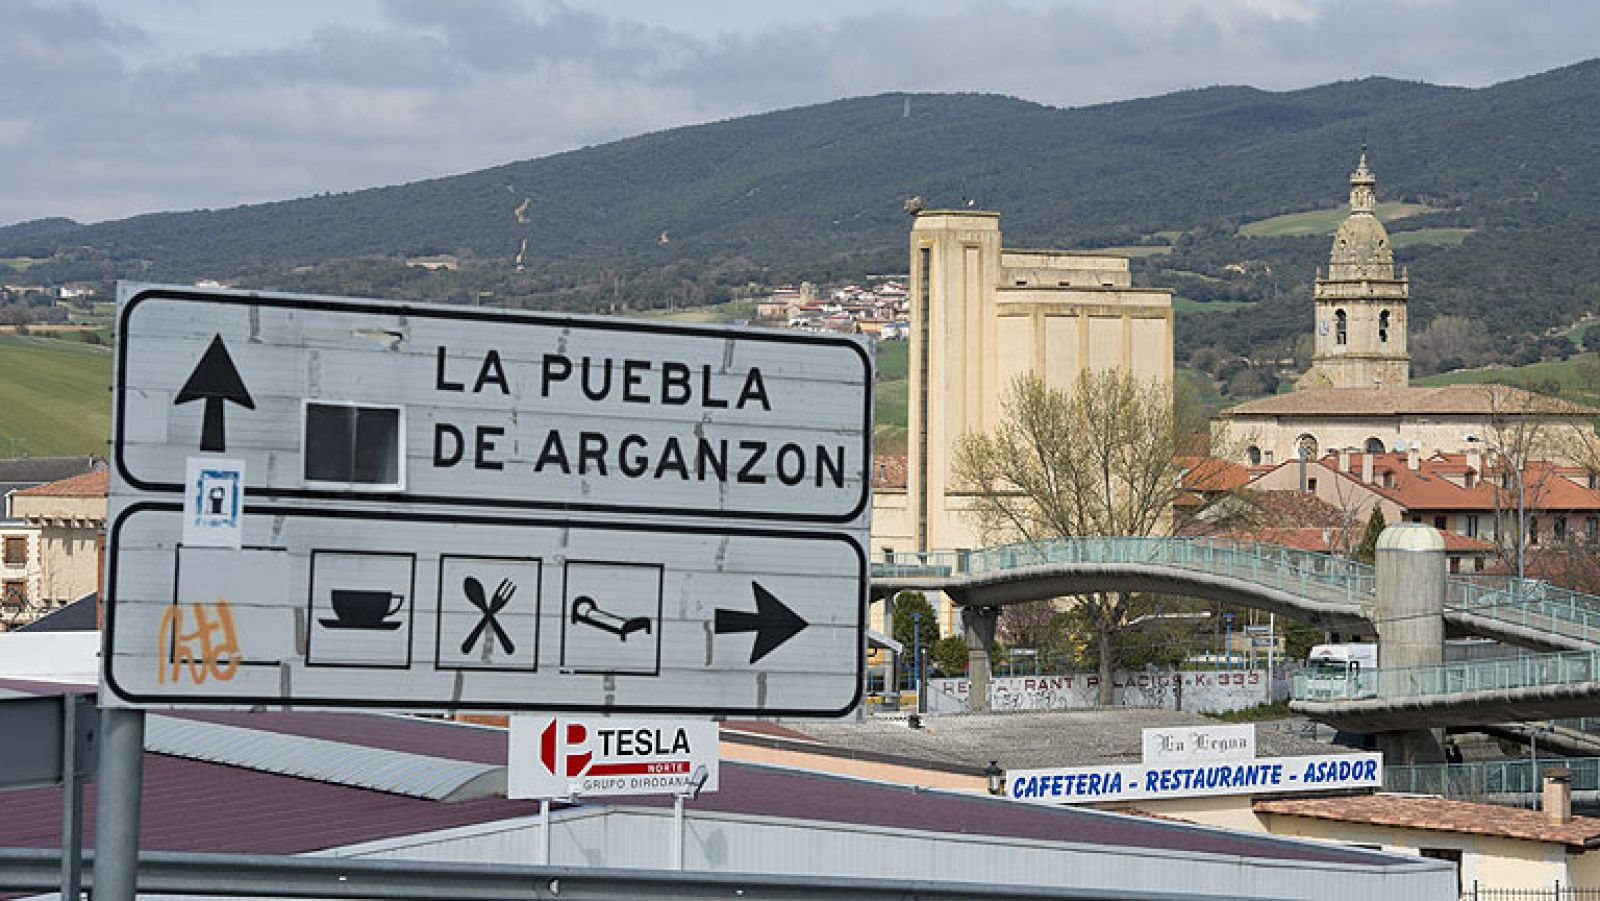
<point>1367,550</point>
<point>913,618</point>
<point>1095,459</point>
<point>949,657</point>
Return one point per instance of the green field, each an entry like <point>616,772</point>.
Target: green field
<point>53,397</point>
<point>731,311</point>
<point>889,397</point>
<point>1322,222</point>
<point>1578,376</point>
<point>1185,305</point>
<point>1440,236</point>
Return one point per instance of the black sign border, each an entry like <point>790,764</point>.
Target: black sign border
<point>272,701</point>
<point>472,314</point>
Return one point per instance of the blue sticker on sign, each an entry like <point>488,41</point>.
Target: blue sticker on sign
<point>216,503</point>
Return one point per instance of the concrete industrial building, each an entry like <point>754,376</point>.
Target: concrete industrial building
<point>981,315</point>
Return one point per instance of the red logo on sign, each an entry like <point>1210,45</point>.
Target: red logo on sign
<point>550,753</point>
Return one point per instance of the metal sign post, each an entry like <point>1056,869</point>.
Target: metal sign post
<point>53,741</point>
<point>116,822</point>
<point>329,502</point>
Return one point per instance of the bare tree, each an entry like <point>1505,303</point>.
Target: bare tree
<point>1097,459</point>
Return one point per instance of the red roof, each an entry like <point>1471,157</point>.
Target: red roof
<point>1439,814</point>
<point>90,484</point>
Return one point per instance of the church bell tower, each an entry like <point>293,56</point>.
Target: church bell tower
<point>1360,326</point>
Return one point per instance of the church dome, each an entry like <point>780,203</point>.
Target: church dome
<point>1361,247</point>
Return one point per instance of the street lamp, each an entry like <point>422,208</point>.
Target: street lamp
<point>996,777</point>
<point>1522,526</point>
<point>1227,641</point>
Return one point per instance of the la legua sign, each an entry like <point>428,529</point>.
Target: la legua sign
<point>334,502</point>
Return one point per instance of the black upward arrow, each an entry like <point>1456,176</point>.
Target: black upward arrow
<point>772,622</point>
<point>215,379</point>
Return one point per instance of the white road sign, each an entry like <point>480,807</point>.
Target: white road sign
<point>560,757</point>
<point>331,502</point>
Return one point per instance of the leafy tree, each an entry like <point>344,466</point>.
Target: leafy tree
<point>1094,459</point>
<point>913,618</point>
<point>1367,550</point>
<point>949,656</point>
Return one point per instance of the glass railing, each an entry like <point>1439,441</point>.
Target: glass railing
<point>1322,576</point>
<point>1469,780</point>
<point>1450,678</point>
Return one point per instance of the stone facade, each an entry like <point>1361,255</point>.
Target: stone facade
<point>1360,332</point>
<point>70,519</point>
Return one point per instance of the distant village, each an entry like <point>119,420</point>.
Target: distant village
<point>882,310</point>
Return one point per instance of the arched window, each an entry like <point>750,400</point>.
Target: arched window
<point>1253,454</point>
<point>1308,444</point>
<point>1383,327</point>
<point>1374,446</point>
<point>1341,327</point>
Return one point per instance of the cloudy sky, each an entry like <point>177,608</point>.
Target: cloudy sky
<point>109,108</point>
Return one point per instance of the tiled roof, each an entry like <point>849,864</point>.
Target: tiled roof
<point>1472,400</point>
<point>1439,814</point>
<point>1212,474</point>
<point>38,470</point>
<point>1428,487</point>
<point>889,471</point>
<point>90,484</point>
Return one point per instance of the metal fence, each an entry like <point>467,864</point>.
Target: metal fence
<point>1496,674</point>
<point>1556,892</point>
<point>1498,777</point>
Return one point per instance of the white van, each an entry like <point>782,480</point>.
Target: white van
<point>1340,672</point>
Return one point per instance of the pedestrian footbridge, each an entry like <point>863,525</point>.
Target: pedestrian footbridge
<point>1327,591</point>
<point>1332,592</point>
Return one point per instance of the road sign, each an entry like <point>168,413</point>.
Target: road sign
<point>331,502</point>
<point>560,757</point>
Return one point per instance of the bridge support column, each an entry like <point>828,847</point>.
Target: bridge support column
<point>978,624</point>
<point>1410,621</point>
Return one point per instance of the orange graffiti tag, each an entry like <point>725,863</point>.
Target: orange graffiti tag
<point>210,650</point>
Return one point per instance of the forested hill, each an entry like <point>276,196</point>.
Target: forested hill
<point>1511,172</point>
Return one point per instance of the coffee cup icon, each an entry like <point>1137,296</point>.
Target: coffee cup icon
<point>364,609</point>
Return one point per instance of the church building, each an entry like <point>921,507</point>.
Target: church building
<point>1357,394</point>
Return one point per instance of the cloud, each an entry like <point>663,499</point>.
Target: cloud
<point>428,87</point>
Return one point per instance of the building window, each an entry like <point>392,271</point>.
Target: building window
<point>15,551</point>
<point>13,594</point>
<point>1591,528</point>
<point>1311,485</point>
<point>1308,446</point>
<point>1383,327</point>
<point>1374,446</point>
<point>1561,528</point>
<point>1471,522</point>
<point>1341,327</point>
<point>1455,564</point>
<point>1533,530</point>
<point>1253,454</point>
<point>1388,479</point>
<point>1469,480</point>
<point>1441,522</point>
<point>1477,564</point>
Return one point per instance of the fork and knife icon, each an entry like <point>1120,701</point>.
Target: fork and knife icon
<point>495,604</point>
